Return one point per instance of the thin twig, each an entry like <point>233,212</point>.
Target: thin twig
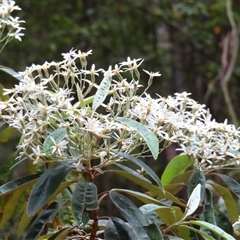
<point>234,42</point>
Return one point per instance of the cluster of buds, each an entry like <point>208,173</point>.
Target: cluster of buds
<point>9,26</point>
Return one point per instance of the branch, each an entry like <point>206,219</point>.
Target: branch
<point>234,44</point>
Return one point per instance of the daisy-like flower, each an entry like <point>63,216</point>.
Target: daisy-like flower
<point>59,147</point>
<point>12,24</point>
<point>151,76</point>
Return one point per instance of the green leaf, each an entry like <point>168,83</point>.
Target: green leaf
<point>6,134</point>
<point>8,209</point>
<point>208,208</point>
<point>61,234</point>
<point>143,165</point>
<point>174,188</point>
<point>140,196</point>
<point>149,212</point>
<point>174,238</point>
<point>131,213</point>
<point>47,184</point>
<point>203,234</point>
<point>196,178</point>
<point>102,91</point>
<point>10,72</point>
<point>154,189</point>
<point>223,222</point>
<point>25,219</point>
<point>213,228</point>
<point>193,201</point>
<point>233,185</point>
<point>154,213</point>
<point>153,232</point>
<point>135,173</point>
<point>2,96</point>
<point>58,135</point>
<point>20,183</point>
<point>208,212</point>
<point>229,201</point>
<point>149,137</point>
<point>170,216</point>
<point>177,165</point>
<point>117,229</point>
<point>182,177</point>
<point>84,198</point>
<point>37,226</point>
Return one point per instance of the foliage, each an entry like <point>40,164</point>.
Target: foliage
<point>75,130</point>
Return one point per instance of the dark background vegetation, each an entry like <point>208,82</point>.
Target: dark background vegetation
<point>183,39</point>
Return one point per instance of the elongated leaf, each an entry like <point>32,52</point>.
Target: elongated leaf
<point>170,216</point>
<point>8,209</point>
<point>196,178</point>
<point>213,228</point>
<point>135,173</point>
<point>102,91</point>
<point>174,238</point>
<point>150,214</point>
<point>117,229</point>
<point>58,135</point>
<point>208,213</point>
<point>182,177</point>
<point>25,219</point>
<point>177,165</point>
<point>232,184</point>
<point>131,213</point>
<point>223,222</point>
<point>18,184</point>
<point>193,201</point>
<point>153,232</point>
<point>155,190</point>
<point>47,184</point>
<point>174,188</point>
<point>140,196</point>
<point>229,201</point>
<point>84,198</point>
<point>143,165</point>
<point>38,224</point>
<point>205,235</point>
<point>10,72</point>
<point>7,134</point>
<point>3,97</point>
<point>149,137</point>
<point>61,234</point>
<point>208,208</point>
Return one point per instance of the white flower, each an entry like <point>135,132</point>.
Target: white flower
<point>59,147</point>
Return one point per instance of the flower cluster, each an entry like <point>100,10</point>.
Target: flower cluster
<point>9,26</point>
<point>182,120</point>
<point>64,104</point>
<point>58,96</point>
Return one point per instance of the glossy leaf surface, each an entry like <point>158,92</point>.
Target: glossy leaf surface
<point>143,165</point>
<point>46,185</point>
<point>58,135</point>
<point>84,198</point>
<point>117,229</point>
<point>177,165</point>
<point>38,224</point>
<point>149,137</point>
